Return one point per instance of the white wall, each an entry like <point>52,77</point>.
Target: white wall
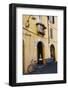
<point>4,47</point>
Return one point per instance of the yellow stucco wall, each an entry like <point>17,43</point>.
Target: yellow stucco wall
<point>31,39</point>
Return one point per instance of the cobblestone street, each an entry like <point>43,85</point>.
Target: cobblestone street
<point>45,68</point>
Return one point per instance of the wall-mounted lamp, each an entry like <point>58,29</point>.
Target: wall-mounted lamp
<point>41,28</point>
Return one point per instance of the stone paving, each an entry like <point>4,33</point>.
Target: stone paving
<point>45,68</point>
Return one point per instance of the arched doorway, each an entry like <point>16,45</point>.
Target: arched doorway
<point>52,51</point>
<point>40,52</point>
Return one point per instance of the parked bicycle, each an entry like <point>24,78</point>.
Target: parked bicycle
<point>32,67</point>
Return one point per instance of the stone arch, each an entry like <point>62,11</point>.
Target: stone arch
<point>52,51</point>
<point>40,52</point>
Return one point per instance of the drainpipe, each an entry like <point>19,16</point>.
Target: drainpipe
<point>48,30</point>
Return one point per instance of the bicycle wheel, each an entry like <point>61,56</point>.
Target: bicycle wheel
<point>30,68</point>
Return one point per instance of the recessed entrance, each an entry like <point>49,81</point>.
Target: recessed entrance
<point>52,51</point>
<point>40,52</point>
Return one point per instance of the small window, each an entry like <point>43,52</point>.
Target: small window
<point>48,17</point>
<point>39,19</point>
<point>51,19</point>
<point>51,33</point>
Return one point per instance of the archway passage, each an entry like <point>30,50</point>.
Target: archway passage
<point>52,51</point>
<point>40,52</point>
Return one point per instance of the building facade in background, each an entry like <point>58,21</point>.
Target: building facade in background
<point>39,39</point>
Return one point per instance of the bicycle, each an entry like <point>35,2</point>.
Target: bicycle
<point>32,67</point>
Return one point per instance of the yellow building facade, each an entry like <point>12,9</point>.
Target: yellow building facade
<point>39,39</point>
